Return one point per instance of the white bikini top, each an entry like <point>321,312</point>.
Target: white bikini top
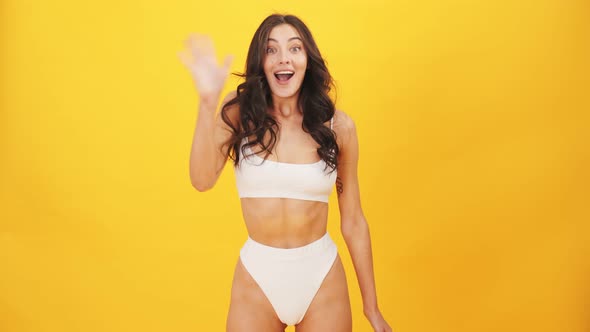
<point>256,177</point>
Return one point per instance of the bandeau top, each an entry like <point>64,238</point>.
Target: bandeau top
<point>256,177</point>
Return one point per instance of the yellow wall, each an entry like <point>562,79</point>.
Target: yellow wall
<point>474,132</point>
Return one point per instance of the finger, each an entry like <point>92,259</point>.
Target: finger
<point>185,57</point>
<point>189,41</point>
<point>202,46</point>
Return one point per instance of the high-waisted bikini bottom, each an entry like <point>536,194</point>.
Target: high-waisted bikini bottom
<point>289,278</point>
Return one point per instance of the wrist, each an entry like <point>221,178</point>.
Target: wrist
<point>209,101</point>
<point>370,310</point>
<point>207,107</point>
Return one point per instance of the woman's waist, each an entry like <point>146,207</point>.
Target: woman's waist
<point>266,254</point>
<point>286,232</point>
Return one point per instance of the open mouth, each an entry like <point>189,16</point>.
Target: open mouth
<point>284,75</point>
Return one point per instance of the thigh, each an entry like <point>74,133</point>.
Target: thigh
<point>330,308</point>
<point>249,309</point>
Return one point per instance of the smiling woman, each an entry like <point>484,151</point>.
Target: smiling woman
<point>284,64</point>
<point>274,127</point>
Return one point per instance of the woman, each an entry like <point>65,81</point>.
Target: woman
<point>274,128</point>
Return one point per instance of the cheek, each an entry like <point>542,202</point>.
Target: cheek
<point>270,59</point>
<point>302,60</point>
<point>303,64</point>
<point>267,63</point>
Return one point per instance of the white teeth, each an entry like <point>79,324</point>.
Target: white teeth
<point>284,72</point>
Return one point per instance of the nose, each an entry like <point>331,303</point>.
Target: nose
<point>284,58</point>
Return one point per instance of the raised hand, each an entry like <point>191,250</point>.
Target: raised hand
<point>208,76</point>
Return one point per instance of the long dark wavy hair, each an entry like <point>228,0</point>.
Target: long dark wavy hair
<point>254,97</point>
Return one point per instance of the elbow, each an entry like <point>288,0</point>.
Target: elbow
<point>201,186</point>
<point>354,227</point>
<point>202,179</point>
<point>347,232</point>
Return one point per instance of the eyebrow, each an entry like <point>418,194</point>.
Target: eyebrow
<point>276,41</point>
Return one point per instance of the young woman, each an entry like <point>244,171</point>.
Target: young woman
<point>289,147</point>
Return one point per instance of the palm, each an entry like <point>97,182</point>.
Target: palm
<point>199,58</point>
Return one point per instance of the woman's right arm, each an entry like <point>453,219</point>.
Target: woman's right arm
<point>208,151</point>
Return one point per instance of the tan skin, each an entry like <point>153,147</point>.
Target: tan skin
<point>283,222</point>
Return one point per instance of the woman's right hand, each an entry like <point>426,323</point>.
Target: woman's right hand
<point>208,76</point>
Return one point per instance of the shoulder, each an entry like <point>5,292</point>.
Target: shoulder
<point>228,97</point>
<point>232,111</point>
<point>344,127</point>
<point>343,121</point>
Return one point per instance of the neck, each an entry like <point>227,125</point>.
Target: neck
<point>285,107</point>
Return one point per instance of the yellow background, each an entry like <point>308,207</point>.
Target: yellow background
<point>474,133</point>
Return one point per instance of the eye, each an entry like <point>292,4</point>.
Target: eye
<point>296,48</point>
<point>270,50</point>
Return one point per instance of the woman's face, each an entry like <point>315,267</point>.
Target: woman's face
<point>285,61</point>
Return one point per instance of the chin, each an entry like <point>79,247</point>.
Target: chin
<point>285,94</point>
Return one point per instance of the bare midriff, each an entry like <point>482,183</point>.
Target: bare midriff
<point>284,222</point>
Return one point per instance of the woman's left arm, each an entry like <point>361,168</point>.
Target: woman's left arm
<point>354,227</point>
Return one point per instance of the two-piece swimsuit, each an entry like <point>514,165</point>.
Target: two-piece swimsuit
<point>291,277</point>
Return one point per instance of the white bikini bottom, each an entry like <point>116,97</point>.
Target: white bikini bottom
<point>289,278</point>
